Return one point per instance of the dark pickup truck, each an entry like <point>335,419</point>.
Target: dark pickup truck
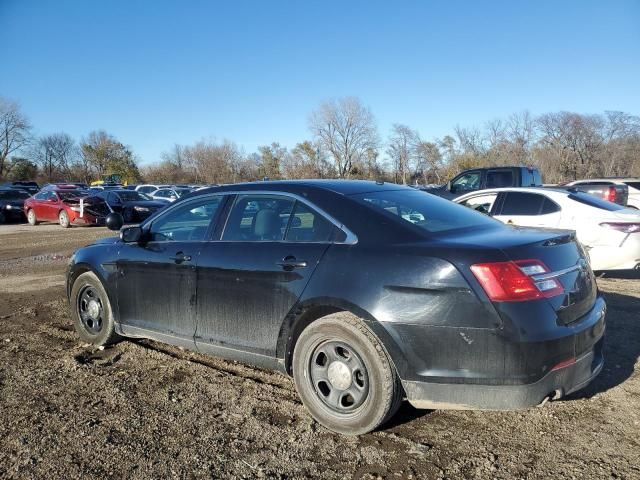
<point>493,177</point>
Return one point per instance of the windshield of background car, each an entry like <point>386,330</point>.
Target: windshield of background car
<point>13,195</point>
<point>133,196</point>
<point>595,202</point>
<point>426,211</point>
<point>70,195</point>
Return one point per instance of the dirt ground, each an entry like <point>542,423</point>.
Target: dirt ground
<point>146,410</point>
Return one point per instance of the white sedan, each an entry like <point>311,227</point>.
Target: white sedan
<point>610,232</point>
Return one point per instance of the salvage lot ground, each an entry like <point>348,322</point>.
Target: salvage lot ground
<point>146,410</point>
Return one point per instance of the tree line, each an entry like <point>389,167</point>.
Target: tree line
<point>344,142</point>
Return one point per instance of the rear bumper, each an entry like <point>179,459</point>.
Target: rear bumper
<point>500,369</point>
<point>555,384</point>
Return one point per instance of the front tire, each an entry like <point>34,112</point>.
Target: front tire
<point>31,217</point>
<point>344,375</point>
<point>63,219</point>
<point>91,311</point>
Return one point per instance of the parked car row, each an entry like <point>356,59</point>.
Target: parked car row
<point>603,212</point>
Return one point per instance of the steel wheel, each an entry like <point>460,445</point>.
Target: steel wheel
<point>31,217</point>
<point>339,376</point>
<point>91,310</point>
<point>63,218</point>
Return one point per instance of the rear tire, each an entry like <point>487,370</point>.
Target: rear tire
<point>31,217</point>
<point>344,376</point>
<point>91,311</point>
<point>63,219</point>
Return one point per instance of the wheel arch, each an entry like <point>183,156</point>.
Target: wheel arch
<point>304,314</point>
<point>78,269</point>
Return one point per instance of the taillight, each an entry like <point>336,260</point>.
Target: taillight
<point>611,194</point>
<point>514,282</point>
<point>624,227</point>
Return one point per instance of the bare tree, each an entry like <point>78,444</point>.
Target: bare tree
<point>429,161</point>
<point>56,155</point>
<point>401,150</point>
<point>15,131</point>
<point>347,130</point>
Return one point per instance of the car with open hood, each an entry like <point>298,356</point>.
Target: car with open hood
<point>67,206</point>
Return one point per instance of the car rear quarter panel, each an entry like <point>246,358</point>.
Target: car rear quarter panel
<point>398,290</point>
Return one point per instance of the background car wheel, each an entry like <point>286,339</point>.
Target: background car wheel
<point>31,217</point>
<point>344,375</point>
<point>91,311</point>
<point>63,219</point>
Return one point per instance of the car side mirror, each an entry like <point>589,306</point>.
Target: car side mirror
<point>114,221</point>
<point>131,234</point>
<point>452,188</point>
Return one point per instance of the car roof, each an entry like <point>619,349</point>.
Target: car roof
<point>344,187</point>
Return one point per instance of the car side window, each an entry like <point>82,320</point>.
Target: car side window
<point>161,193</point>
<point>188,222</point>
<point>306,225</point>
<point>521,203</point>
<point>256,218</point>
<point>499,178</point>
<point>466,182</point>
<point>549,206</point>
<point>481,203</point>
<point>41,196</point>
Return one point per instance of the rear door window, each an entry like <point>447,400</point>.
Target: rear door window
<point>260,217</point>
<point>521,203</point>
<point>499,178</point>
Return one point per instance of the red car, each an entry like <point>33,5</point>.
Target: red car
<point>67,207</point>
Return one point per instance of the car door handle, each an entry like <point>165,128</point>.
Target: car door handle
<point>181,257</point>
<point>291,262</point>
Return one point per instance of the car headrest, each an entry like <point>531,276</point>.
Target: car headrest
<point>266,225</point>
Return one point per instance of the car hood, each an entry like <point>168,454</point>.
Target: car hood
<point>107,240</point>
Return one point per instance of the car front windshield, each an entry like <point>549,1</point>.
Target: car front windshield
<point>431,213</point>
<point>70,195</point>
<point>13,195</point>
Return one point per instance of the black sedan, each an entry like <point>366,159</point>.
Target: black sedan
<point>365,293</point>
<point>133,206</point>
<point>12,204</point>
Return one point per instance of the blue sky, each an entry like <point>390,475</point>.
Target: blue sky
<point>155,73</point>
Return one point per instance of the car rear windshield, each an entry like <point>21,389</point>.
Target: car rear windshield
<point>13,195</point>
<point>431,213</point>
<point>595,202</point>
